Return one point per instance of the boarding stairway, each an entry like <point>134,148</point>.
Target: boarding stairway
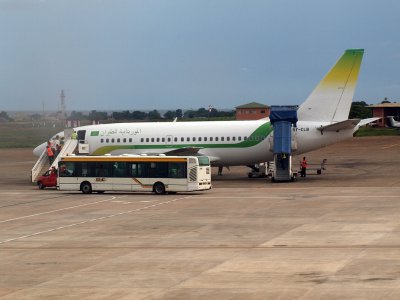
<point>42,164</point>
<point>283,118</point>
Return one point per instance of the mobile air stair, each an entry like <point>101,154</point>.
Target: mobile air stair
<point>71,146</point>
<point>283,118</point>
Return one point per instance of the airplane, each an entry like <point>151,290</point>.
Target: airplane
<point>393,123</point>
<point>322,120</point>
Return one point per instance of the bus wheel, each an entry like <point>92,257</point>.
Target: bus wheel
<point>86,188</point>
<point>40,185</point>
<point>159,188</point>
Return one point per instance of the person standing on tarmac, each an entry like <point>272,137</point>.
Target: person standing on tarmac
<point>303,167</point>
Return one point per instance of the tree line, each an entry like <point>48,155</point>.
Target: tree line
<point>359,110</point>
<point>151,115</point>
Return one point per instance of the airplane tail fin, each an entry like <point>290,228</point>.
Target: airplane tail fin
<point>331,100</point>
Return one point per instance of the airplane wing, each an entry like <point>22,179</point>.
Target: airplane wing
<point>187,151</point>
<point>347,124</point>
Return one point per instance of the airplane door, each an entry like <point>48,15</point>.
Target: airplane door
<point>81,135</point>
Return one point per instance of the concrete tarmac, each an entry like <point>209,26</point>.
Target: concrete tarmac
<point>329,236</point>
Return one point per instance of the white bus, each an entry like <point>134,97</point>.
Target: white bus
<point>132,173</point>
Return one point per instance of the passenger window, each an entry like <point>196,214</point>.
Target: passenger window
<point>222,138</point>
<point>168,139</point>
<point>175,139</point>
<point>245,138</point>
<point>152,140</point>
<point>228,139</point>
<point>142,140</point>
<point>199,139</point>
<point>211,139</point>
<point>158,140</point>
<point>239,138</point>
<point>120,169</point>
<point>194,139</point>
<point>188,139</point>
<point>101,140</point>
<point>124,140</point>
<point>130,140</point>
<point>163,140</point>
<point>118,140</point>
<point>147,140</point>
<point>182,139</point>
<point>112,141</point>
<point>216,139</point>
<point>233,138</point>
<point>107,140</point>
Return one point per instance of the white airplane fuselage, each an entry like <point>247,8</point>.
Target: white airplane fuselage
<point>227,143</point>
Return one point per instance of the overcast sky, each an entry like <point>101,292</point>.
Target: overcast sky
<point>169,54</point>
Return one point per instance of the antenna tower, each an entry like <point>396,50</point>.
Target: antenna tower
<point>63,107</point>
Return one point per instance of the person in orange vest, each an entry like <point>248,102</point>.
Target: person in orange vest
<point>303,167</point>
<point>50,154</point>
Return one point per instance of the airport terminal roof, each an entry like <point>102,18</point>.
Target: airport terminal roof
<point>384,105</point>
<point>253,105</point>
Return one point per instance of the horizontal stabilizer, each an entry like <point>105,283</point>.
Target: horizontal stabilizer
<point>367,121</point>
<point>347,124</point>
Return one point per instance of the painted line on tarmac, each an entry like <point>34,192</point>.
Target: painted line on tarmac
<point>92,220</point>
<point>390,146</point>
<point>298,196</point>
<point>57,210</point>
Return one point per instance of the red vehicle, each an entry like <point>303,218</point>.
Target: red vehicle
<point>48,179</point>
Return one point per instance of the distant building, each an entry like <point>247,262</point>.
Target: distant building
<point>252,111</point>
<point>383,110</point>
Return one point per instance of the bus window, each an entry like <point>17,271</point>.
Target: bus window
<point>102,169</point>
<point>67,169</point>
<point>120,169</point>
<point>140,169</point>
<point>177,170</point>
<point>203,160</point>
<point>158,170</point>
<point>84,169</point>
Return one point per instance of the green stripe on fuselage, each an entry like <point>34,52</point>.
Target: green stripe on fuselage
<point>255,138</point>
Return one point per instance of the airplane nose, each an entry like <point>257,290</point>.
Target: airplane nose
<point>39,149</point>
